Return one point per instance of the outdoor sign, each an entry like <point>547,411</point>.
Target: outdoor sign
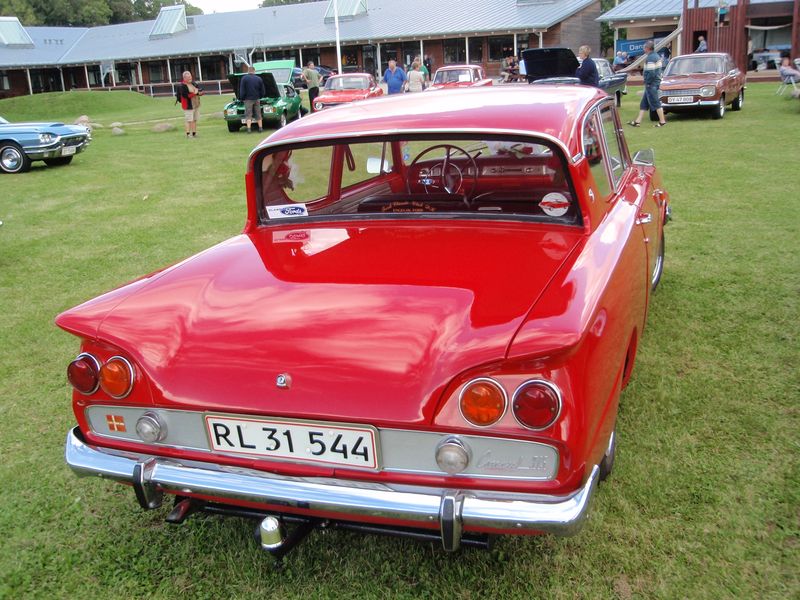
<point>633,47</point>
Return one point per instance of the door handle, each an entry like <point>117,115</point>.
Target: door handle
<point>644,219</point>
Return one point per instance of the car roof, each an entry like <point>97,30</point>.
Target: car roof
<point>551,111</point>
<point>701,55</point>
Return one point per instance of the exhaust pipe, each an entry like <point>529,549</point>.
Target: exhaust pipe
<point>271,534</point>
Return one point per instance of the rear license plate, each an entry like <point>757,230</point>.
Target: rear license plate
<point>331,444</point>
<point>68,150</point>
<point>680,99</point>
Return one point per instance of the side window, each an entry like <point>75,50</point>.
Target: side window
<point>593,150</point>
<point>295,176</point>
<point>616,158</point>
<point>361,162</point>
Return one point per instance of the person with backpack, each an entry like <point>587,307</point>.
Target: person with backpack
<point>188,93</point>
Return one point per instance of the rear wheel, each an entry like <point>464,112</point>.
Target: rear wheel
<point>719,109</point>
<point>233,127</point>
<point>653,115</point>
<point>57,162</point>
<point>739,102</point>
<point>13,159</point>
<point>282,120</point>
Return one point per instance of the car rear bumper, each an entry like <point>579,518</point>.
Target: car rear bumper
<point>450,509</point>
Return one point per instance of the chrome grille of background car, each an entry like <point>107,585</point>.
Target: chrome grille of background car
<point>686,92</point>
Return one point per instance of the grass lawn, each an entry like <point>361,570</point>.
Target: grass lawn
<point>704,501</point>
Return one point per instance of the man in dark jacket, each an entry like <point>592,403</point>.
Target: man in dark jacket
<point>587,71</point>
<point>251,90</point>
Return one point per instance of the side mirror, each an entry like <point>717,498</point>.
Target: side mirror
<point>645,158</point>
<point>374,165</point>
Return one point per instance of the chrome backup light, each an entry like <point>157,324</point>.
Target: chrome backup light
<point>452,455</point>
<point>151,428</point>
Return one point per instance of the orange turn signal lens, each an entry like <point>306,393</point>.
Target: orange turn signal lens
<point>116,377</point>
<point>482,402</point>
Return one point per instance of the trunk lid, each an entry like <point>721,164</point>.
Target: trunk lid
<point>370,321</point>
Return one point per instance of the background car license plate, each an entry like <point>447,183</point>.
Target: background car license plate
<point>347,445</point>
<point>67,150</point>
<point>680,99</point>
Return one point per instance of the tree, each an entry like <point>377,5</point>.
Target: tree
<point>21,9</point>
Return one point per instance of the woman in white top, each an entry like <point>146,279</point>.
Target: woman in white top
<point>416,78</point>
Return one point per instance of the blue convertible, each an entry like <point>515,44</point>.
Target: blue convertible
<point>54,143</point>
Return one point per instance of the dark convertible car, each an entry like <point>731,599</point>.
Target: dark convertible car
<point>558,65</point>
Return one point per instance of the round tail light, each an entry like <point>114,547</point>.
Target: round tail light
<point>482,402</point>
<point>536,404</point>
<point>83,373</point>
<point>116,377</point>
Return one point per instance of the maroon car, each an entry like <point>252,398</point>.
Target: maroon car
<point>707,81</point>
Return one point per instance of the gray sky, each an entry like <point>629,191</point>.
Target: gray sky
<point>211,6</point>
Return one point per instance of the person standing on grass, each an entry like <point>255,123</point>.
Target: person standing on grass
<point>251,90</point>
<point>652,83</point>
<point>311,77</point>
<point>416,78</point>
<point>188,94</point>
<point>587,71</point>
<point>395,78</point>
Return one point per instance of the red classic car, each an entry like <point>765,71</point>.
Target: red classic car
<point>341,89</point>
<point>430,339</point>
<point>457,76</point>
<point>706,81</point>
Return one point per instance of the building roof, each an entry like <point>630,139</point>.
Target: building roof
<point>639,10</point>
<point>292,26</point>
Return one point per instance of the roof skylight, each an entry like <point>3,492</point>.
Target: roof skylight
<point>13,34</point>
<point>170,20</point>
<point>347,9</point>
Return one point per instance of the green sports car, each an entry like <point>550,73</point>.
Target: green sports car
<point>279,106</point>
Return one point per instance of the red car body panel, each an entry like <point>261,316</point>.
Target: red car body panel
<point>386,325</point>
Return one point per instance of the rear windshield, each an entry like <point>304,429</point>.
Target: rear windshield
<point>452,76</point>
<point>414,177</point>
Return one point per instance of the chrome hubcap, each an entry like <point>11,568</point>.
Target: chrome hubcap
<point>10,159</point>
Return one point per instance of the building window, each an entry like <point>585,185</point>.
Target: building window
<point>476,50</point>
<point>455,51</point>
<point>212,67</point>
<point>156,73</point>
<point>523,40</point>
<point>94,75</point>
<point>5,84</point>
<point>500,47</point>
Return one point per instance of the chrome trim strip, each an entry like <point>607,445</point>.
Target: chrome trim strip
<point>545,383</point>
<point>561,515</point>
<point>526,133</point>
<point>96,364</point>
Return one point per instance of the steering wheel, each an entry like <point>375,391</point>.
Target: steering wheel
<point>451,178</point>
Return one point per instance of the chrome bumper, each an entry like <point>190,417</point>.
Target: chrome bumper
<point>52,151</point>
<point>450,509</point>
